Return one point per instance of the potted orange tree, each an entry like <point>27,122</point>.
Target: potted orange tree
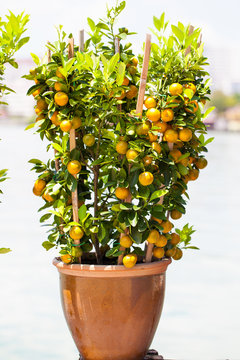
<point>119,175</point>
<point>11,30</point>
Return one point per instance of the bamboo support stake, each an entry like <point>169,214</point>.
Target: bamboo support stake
<point>81,40</point>
<point>55,151</point>
<point>73,146</point>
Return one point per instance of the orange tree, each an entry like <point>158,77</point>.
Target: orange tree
<point>11,30</point>
<point>122,165</point>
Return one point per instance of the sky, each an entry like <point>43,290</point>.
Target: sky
<point>219,20</point>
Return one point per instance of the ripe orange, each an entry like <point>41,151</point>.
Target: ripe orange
<point>130,260</point>
<point>150,102</point>
<point>175,154</point>
<point>175,89</point>
<point>76,233</point>
<point>125,81</point>
<point>162,241</point>
<point>161,126</point>
<point>201,163</point>
<point>55,118</point>
<point>153,114</point>
<point>89,140</point>
<point>37,193</point>
<point>158,252</point>
<point>122,147</point>
<point>193,107</point>
<point>130,94</point>
<point>58,86</point>
<point>143,129</point>
<point>66,125</point>
<point>59,74</point>
<point>47,196</point>
<point>175,214</point>
<point>132,70</point>
<point>167,115</point>
<point>134,61</point>
<point>126,241</point>
<point>38,111</point>
<point>193,174</point>
<point>41,104</point>
<point>122,193</point>
<point>184,161</point>
<point>146,178</point>
<point>157,147</point>
<point>147,160</point>
<point>167,226</point>
<point>122,96</point>
<point>171,135</point>
<point>153,236</point>
<point>185,135</point>
<point>74,167</point>
<point>170,252</point>
<point>61,98</point>
<point>66,258</point>
<point>152,137</point>
<point>76,122</point>
<point>175,239</point>
<point>36,92</point>
<point>39,185</point>
<point>178,254</point>
<point>131,154</point>
<point>156,219</point>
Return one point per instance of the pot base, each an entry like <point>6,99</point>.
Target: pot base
<point>151,355</point>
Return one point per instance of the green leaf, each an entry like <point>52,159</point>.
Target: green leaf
<point>4,250</point>
<point>91,24</point>
<point>35,58</point>
<point>208,111</point>
<point>82,212</point>
<point>57,147</point>
<point>179,34</point>
<point>120,73</point>
<point>158,194</point>
<point>47,245</point>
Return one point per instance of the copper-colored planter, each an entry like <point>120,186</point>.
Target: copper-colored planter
<point>112,312</point>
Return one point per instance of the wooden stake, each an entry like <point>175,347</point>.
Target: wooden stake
<point>55,151</point>
<point>81,40</point>
<point>190,31</point>
<point>73,146</point>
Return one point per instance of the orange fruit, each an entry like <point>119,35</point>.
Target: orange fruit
<point>38,111</point>
<point>175,89</point>
<point>201,163</point>
<point>193,108</point>
<point>76,251</point>
<point>193,174</point>
<point>47,196</point>
<point>158,252</point>
<point>153,114</point>
<point>40,117</point>
<point>122,96</point>
<point>126,241</point>
<point>178,254</point>
<point>162,241</point>
<point>122,147</point>
<point>152,137</point>
<point>185,135</point>
<point>74,167</point>
<point>150,102</point>
<point>203,101</point>
<point>167,226</point>
<point>157,147</point>
<point>131,154</point>
<point>37,193</point>
<point>132,70</point>
<point>39,185</point>
<point>130,94</point>
<point>153,236</point>
<point>76,233</point>
<point>61,98</point>
<point>147,160</point>
<point>143,129</point>
<point>175,154</point>
<point>66,258</point>
<point>76,122</point>
<point>175,214</point>
<point>66,125</point>
<point>191,159</point>
<point>36,92</point>
<point>191,86</point>
<point>125,81</point>
<point>59,74</point>
<point>122,193</point>
<point>41,104</point>
<point>130,260</point>
<point>167,115</point>
<point>134,61</point>
<point>89,140</point>
<point>161,126</point>
<point>146,178</point>
<point>171,135</point>
<point>170,252</point>
<point>156,219</point>
<point>184,161</point>
<point>175,239</point>
<point>58,86</point>
<point>55,118</point>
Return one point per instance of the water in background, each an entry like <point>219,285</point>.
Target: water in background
<point>201,313</point>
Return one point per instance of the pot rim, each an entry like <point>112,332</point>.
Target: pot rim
<point>108,271</point>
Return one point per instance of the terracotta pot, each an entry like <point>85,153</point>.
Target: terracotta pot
<point>112,312</point>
